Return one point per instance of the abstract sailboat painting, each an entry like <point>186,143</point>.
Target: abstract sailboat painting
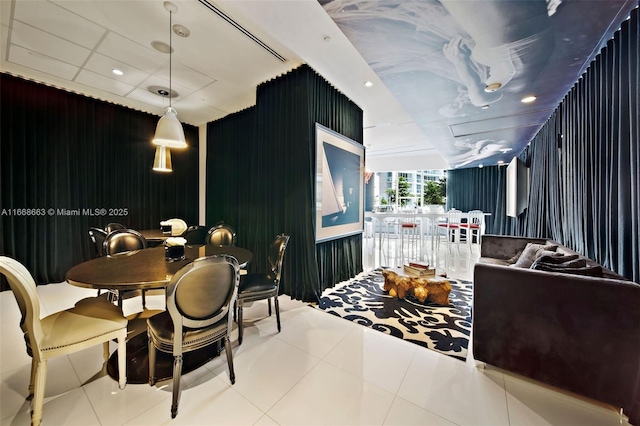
<point>339,185</point>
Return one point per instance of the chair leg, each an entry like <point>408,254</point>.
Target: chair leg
<point>38,399</point>
<point>144,299</point>
<point>152,362</point>
<point>277,305</point>
<point>269,304</point>
<point>227,347</point>
<point>32,379</point>
<point>122,360</point>
<point>240,327</point>
<point>105,351</point>
<point>177,373</point>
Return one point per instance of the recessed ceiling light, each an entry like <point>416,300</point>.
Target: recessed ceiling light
<point>480,166</point>
<point>485,107</point>
<point>528,99</point>
<point>327,39</point>
<point>116,71</point>
<point>492,87</point>
<point>368,83</point>
<point>505,150</point>
<point>500,162</point>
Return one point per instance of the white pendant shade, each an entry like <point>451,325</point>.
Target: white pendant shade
<point>169,132</point>
<point>162,161</point>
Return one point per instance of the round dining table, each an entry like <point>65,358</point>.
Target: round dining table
<point>140,270</point>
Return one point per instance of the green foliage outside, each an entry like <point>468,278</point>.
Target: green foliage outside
<point>435,192</point>
<point>403,191</point>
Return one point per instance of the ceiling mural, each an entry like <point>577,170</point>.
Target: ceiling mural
<point>461,68</point>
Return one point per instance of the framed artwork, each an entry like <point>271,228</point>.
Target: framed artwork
<point>339,185</point>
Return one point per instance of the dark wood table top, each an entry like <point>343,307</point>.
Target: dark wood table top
<point>143,269</point>
<point>155,235</point>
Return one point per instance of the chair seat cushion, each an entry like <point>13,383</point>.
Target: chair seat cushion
<point>472,226</point>
<point>89,318</point>
<point>450,225</point>
<point>252,283</point>
<point>160,327</point>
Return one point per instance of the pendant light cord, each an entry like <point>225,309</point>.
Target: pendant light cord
<point>170,54</point>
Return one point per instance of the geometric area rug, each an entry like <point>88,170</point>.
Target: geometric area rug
<point>445,329</point>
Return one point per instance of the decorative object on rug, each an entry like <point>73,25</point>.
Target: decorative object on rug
<point>445,329</point>
<point>400,284</point>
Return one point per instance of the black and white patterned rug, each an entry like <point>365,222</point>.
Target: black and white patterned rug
<point>445,329</point>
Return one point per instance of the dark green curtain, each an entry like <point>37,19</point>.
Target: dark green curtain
<point>60,150</point>
<point>268,154</point>
<point>584,165</point>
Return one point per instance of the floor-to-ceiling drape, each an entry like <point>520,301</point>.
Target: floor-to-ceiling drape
<point>64,153</point>
<point>268,153</point>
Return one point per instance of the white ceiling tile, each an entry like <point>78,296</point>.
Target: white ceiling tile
<point>104,65</point>
<point>154,80</point>
<point>184,76</point>
<point>101,82</point>
<point>40,62</point>
<point>48,44</point>
<point>138,56</point>
<point>143,95</point>
<point>58,21</point>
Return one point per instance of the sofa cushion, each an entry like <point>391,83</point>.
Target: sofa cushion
<point>532,252</point>
<point>494,261</point>
<point>576,267</point>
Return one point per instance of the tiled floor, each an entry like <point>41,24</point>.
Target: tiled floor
<point>319,370</point>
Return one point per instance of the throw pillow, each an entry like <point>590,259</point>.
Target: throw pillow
<point>532,252</point>
<point>570,268</point>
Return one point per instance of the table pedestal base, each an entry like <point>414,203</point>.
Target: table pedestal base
<point>138,361</point>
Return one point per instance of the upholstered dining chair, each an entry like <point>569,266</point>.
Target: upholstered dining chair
<point>199,297</point>
<point>261,286</point>
<point>97,237</point>
<point>178,226</point>
<point>196,235</point>
<point>90,322</point>
<point>122,241</point>
<point>113,226</point>
<point>221,234</point>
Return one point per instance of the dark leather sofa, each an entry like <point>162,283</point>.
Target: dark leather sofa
<point>578,333</point>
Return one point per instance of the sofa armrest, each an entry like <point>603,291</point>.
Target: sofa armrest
<point>578,333</point>
<point>505,246</point>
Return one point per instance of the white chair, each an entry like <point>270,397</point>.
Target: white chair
<point>473,227</point>
<point>90,322</point>
<point>410,230</point>
<point>178,226</point>
<point>451,227</point>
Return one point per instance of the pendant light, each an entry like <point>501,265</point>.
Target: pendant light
<point>169,132</point>
<point>162,160</point>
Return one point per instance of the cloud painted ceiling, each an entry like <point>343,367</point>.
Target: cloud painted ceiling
<point>441,59</point>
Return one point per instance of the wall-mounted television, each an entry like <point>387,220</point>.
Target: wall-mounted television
<point>517,187</point>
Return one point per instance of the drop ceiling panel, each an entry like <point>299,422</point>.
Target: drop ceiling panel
<point>129,52</point>
<point>37,61</point>
<point>39,41</point>
<point>184,76</point>
<point>101,82</point>
<point>60,22</point>
<point>144,96</point>
<point>155,80</point>
<point>103,65</point>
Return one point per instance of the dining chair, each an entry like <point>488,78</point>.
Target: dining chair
<point>221,234</point>
<point>198,300</point>
<point>178,226</point>
<point>90,322</point>
<point>259,286</point>
<point>473,227</point>
<point>196,235</point>
<point>451,226</point>
<point>123,241</point>
<point>114,226</point>
<point>97,237</point>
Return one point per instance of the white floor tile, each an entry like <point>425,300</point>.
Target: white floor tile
<point>330,396</point>
<point>377,358</point>
<point>274,365</point>
<point>404,413</point>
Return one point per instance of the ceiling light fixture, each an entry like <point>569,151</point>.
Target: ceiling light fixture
<point>368,83</point>
<point>492,87</point>
<point>162,160</point>
<point>116,71</point>
<point>528,99</point>
<point>169,132</point>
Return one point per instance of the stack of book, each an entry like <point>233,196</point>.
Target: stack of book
<point>420,269</point>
